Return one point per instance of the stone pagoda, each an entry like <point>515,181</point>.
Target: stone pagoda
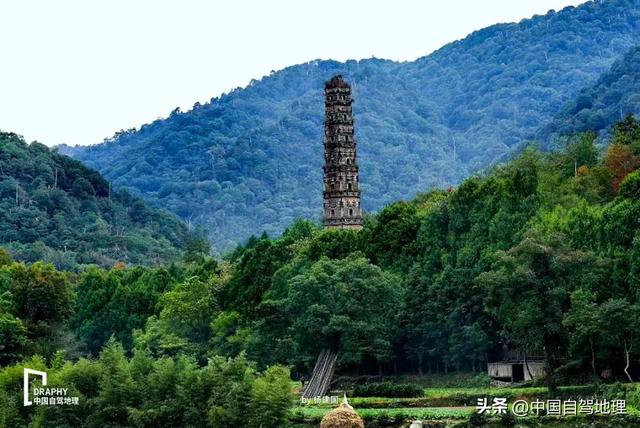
<point>341,185</point>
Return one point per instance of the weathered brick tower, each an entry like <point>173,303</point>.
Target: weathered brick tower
<point>341,185</point>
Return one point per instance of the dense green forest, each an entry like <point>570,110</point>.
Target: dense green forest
<point>251,160</point>
<point>540,254</point>
<point>54,208</point>
<point>615,95</point>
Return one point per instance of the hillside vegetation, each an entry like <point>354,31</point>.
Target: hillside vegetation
<point>55,209</point>
<point>251,160</point>
<point>615,95</point>
<point>540,254</point>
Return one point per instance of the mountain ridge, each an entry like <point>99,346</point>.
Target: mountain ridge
<point>597,107</point>
<point>250,160</point>
<point>53,208</point>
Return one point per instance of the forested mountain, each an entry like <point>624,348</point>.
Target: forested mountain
<point>55,209</point>
<point>535,255</point>
<point>615,95</point>
<point>251,160</point>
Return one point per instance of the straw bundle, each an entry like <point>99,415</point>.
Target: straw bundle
<point>342,417</point>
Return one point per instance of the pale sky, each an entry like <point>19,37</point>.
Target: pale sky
<point>77,71</point>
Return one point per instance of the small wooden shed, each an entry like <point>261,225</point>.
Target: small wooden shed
<point>516,370</point>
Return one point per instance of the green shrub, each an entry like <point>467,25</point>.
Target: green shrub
<point>271,398</point>
<point>508,420</point>
<point>633,397</point>
<point>388,389</point>
<point>477,420</point>
<point>615,391</point>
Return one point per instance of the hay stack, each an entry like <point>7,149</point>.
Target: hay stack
<point>342,417</point>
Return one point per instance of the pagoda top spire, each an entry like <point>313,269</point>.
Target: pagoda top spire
<point>336,82</point>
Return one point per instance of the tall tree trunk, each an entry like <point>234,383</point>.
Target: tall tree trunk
<point>420,358</point>
<point>627,350</point>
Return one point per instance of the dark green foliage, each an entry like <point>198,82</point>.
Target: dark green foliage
<point>114,390</point>
<point>388,389</point>
<point>508,420</point>
<point>116,386</point>
<point>257,261</point>
<point>255,268</point>
<point>477,420</point>
<point>251,160</point>
<point>347,305</point>
<point>522,257</point>
<point>630,187</point>
<point>271,399</point>
<point>535,254</point>
<point>5,257</point>
<point>598,106</point>
<point>389,237</point>
<point>184,324</point>
<point>627,132</point>
<point>35,301</point>
<point>196,249</point>
<point>40,294</point>
<point>53,208</point>
<point>456,242</point>
<point>116,302</point>
<point>528,291</point>
<point>580,152</point>
<point>333,244</point>
<point>13,338</point>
